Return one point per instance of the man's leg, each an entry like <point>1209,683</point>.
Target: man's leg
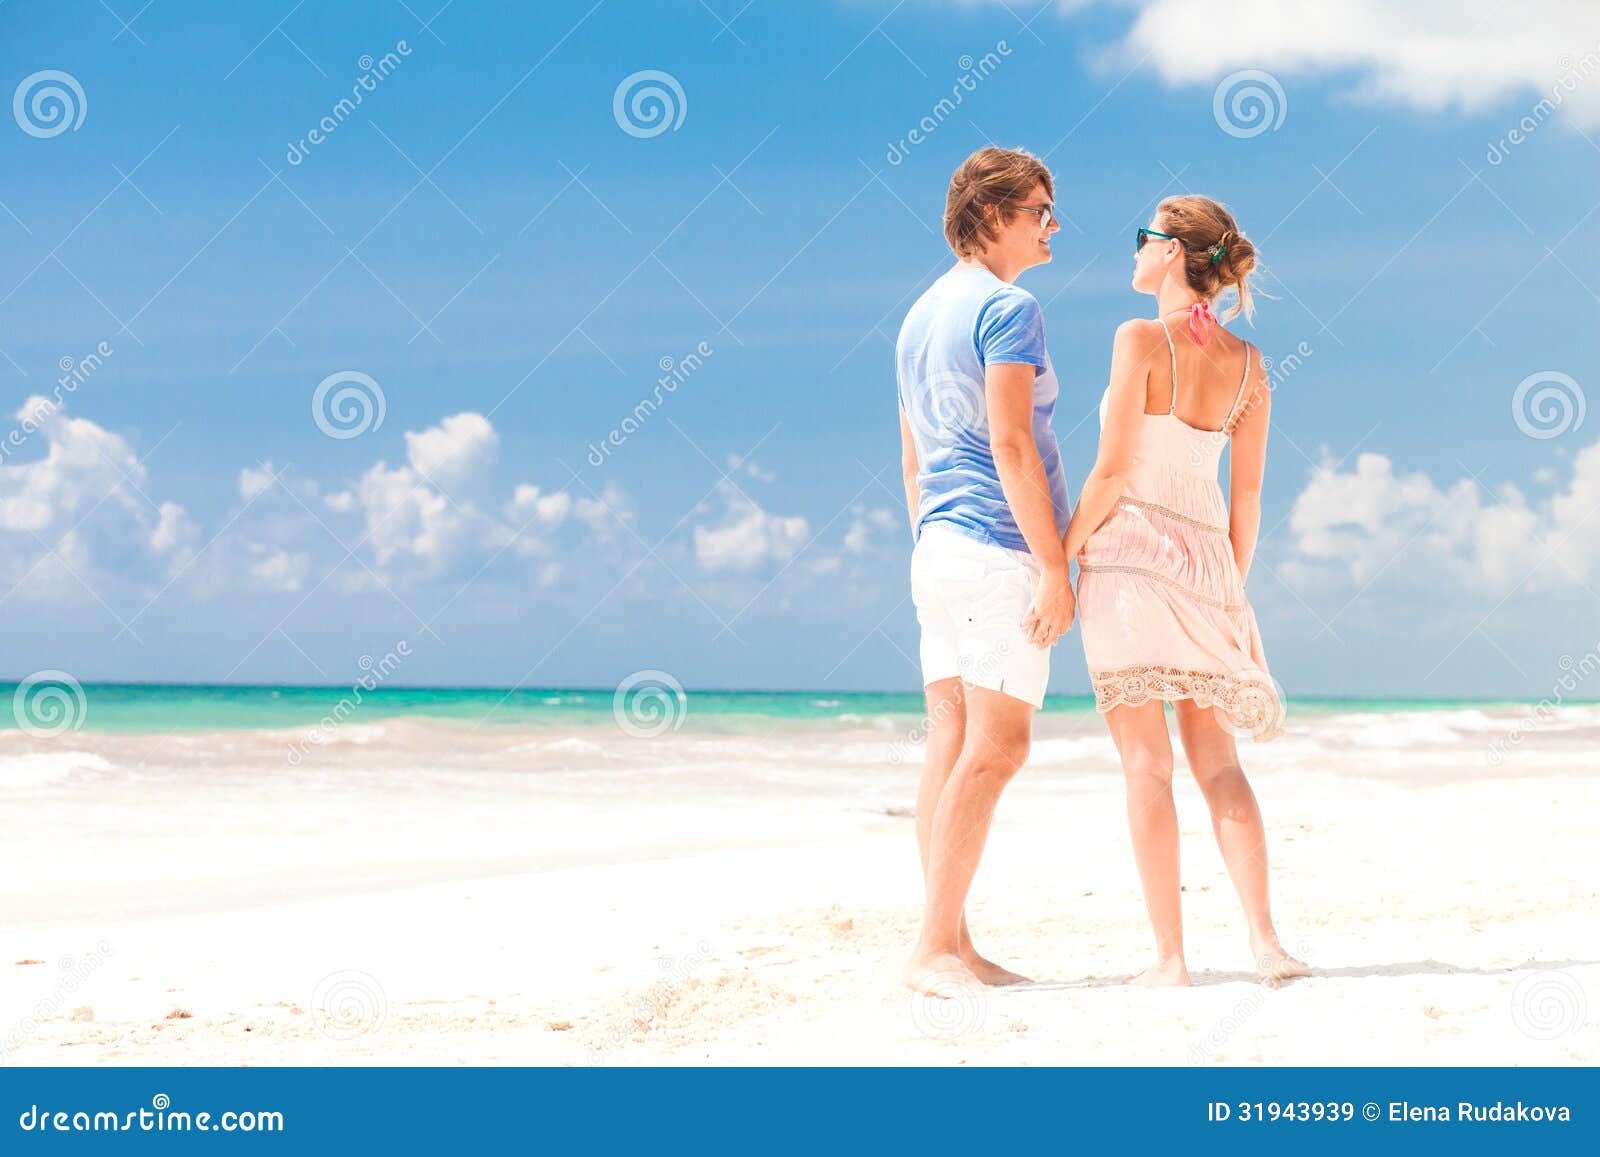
<point>995,745</point>
<point>947,721</point>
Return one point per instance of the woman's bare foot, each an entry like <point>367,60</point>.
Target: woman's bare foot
<point>1274,965</point>
<point>988,971</point>
<point>1168,972</point>
<point>942,974</point>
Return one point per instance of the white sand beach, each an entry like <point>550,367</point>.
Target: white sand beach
<point>427,894</point>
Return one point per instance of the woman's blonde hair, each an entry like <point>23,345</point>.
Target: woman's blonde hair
<point>1216,256</point>
<point>989,178</point>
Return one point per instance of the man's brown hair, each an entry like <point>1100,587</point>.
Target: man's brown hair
<point>990,178</point>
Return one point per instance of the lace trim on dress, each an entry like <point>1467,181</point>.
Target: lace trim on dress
<point>1091,568</point>
<point>1171,513</point>
<point>1250,699</point>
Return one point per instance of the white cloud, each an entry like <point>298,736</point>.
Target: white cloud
<point>254,480</point>
<point>409,521</point>
<point>87,498</point>
<point>1429,54</point>
<point>747,537</point>
<point>457,453</point>
<point>281,570</point>
<point>1373,521</point>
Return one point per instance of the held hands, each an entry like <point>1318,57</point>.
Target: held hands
<point>1052,611</point>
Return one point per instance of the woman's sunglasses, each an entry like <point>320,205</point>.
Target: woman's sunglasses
<point>1145,234</point>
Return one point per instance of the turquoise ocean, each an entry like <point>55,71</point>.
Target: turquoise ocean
<point>152,708</point>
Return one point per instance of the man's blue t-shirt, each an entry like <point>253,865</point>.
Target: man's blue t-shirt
<point>967,320</point>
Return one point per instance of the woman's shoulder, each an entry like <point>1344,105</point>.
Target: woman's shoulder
<point>1140,333</point>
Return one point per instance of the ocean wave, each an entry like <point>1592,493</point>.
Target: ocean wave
<point>39,767</point>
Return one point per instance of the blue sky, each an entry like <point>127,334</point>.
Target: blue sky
<point>485,240</point>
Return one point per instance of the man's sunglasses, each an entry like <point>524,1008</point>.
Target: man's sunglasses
<point>1045,215</point>
<point>1145,234</point>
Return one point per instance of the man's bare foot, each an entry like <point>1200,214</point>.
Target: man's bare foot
<point>988,971</point>
<point>942,975</point>
<point>1168,972</point>
<point>1274,965</point>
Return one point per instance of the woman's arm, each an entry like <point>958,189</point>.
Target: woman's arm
<point>1136,342</point>
<point>1247,466</point>
<point>909,469</point>
<point>1008,387</point>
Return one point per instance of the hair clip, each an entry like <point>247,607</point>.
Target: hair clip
<point>1217,251</point>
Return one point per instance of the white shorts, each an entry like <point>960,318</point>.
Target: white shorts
<point>971,598</point>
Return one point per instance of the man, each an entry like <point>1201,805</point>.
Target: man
<point>988,507</point>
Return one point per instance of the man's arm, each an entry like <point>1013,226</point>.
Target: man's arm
<point>1008,387</point>
<point>909,469</point>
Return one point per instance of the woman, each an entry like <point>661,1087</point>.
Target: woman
<point>1162,562</point>
<point>987,502</point>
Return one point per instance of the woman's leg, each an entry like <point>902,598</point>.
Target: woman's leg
<point>1241,836</point>
<point>1140,734</point>
<point>947,728</point>
<point>995,745</point>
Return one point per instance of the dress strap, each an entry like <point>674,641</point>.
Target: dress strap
<point>1239,397</point>
<point>1173,350</point>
